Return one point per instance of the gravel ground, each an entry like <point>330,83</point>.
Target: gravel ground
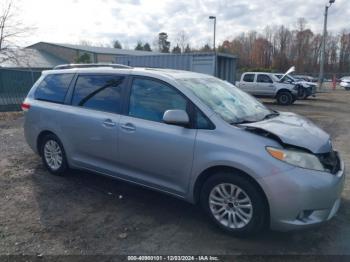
<point>83,213</point>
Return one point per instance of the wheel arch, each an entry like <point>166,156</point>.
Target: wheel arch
<point>283,90</point>
<point>211,171</point>
<point>40,138</point>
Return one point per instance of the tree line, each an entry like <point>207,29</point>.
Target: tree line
<point>276,48</point>
<point>279,47</point>
<point>162,44</point>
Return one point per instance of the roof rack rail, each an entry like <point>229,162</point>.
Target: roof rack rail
<point>69,66</point>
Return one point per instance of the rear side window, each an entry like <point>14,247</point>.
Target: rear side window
<point>248,78</point>
<point>99,92</point>
<point>53,88</point>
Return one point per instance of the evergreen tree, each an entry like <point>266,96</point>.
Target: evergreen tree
<point>163,43</point>
<point>139,46</point>
<point>176,49</point>
<point>117,44</point>
<point>147,47</point>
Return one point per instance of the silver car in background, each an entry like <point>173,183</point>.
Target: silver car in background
<point>189,135</point>
<point>345,82</point>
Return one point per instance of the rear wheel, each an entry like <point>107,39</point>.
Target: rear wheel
<point>53,155</point>
<point>234,204</point>
<point>284,98</point>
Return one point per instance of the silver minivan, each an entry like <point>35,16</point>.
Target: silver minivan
<point>190,135</point>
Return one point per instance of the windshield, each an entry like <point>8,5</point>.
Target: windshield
<point>226,100</point>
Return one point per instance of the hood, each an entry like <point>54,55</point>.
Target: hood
<point>295,130</point>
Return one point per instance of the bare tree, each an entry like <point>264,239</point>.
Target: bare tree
<point>316,50</point>
<point>281,40</point>
<point>10,30</point>
<point>301,24</point>
<point>344,52</point>
<point>182,40</point>
<point>85,43</point>
<point>155,45</point>
<point>278,47</point>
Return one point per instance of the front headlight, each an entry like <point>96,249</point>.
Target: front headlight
<point>296,158</point>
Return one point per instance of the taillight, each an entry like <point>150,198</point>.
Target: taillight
<point>25,106</point>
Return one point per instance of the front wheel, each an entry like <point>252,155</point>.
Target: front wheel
<point>284,98</point>
<point>234,204</point>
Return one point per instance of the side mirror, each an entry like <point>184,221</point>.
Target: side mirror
<point>176,117</point>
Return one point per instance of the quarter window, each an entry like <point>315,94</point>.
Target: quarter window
<point>149,100</point>
<point>53,88</point>
<point>99,92</point>
<point>201,121</point>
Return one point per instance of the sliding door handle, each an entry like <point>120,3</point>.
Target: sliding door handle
<point>128,127</point>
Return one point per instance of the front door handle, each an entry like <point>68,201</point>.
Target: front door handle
<point>108,123</point>
<point>128,127</point>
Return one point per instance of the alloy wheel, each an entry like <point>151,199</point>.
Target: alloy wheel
<point>230,205</point>
<point>53,154</point>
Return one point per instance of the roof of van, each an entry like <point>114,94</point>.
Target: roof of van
<point>172,73</point>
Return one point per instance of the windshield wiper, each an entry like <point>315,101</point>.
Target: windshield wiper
<point>241,121</point>
<point>245,121</point>
<point>271,115</point>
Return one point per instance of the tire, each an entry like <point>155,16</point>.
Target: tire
<point>254,218</point>
<point>53,155</point>
<point>284,98</point>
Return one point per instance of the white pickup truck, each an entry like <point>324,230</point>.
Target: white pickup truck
<point>268,85</point>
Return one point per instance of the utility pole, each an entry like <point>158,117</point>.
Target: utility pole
<point>214,18</point>
<point>323,49</point>
<point>214,41</point>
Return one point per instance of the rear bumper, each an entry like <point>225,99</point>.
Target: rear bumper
<point>30,132</point>
<point>301,198</point>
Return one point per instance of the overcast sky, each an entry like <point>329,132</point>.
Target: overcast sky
<point>70,21</point>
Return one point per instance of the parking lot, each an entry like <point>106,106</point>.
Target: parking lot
<point>84,213</point>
